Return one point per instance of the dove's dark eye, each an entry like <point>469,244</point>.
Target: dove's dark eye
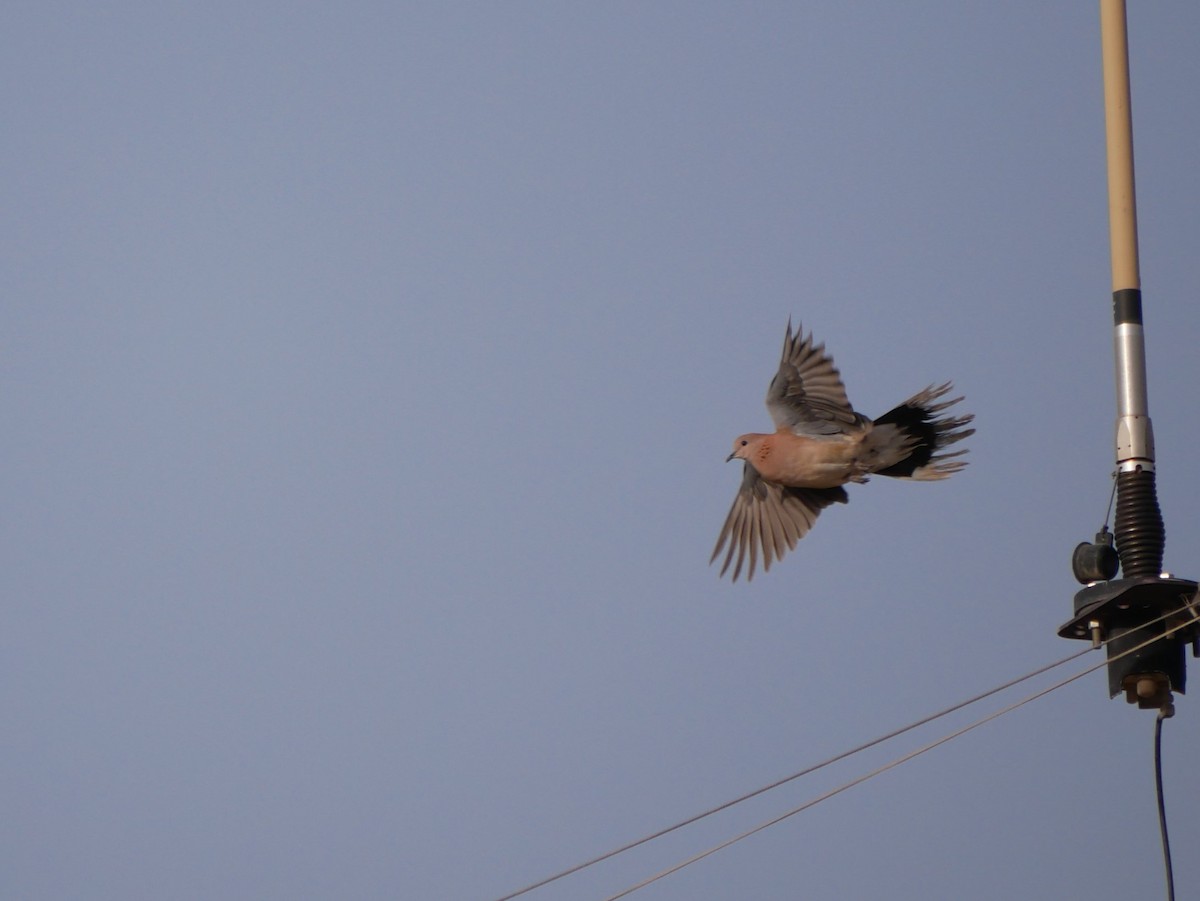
<point>744,442</point>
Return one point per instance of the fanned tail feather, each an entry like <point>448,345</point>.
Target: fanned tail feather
<point>928,435</point>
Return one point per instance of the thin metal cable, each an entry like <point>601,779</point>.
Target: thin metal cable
<point>786,779</point>
<point>1111,497</point>
<point>1168,710</point>
<point>907,757</point>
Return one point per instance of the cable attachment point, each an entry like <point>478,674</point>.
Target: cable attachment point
<point>1145,623</point>
<point>1168,708</point>
<point>1149,691</point>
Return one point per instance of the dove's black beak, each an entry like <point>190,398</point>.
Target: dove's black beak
<point>731,456</point>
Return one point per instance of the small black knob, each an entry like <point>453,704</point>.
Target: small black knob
<point>1096,561</point>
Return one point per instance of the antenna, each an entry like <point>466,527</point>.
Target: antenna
<point>1130,610</point>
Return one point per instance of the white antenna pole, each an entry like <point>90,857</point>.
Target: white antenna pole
<point>1132,610</point>
<point>1118,120</point>
<point>1138,528</point>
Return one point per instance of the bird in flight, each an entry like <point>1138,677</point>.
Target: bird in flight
<point>819,444</point>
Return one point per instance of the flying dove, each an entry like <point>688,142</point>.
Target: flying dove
<point>819,444</point>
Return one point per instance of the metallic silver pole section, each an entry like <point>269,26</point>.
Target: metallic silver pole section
<point>1135,438</point>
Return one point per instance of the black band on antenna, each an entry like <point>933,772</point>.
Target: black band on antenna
<point>1127,306</point>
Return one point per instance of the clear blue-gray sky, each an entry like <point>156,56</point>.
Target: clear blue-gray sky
<point>369,370</point>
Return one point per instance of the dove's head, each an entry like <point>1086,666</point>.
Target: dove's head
<point>744,446</point>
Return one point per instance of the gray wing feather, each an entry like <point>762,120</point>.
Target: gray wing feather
<point>769,519</point>
<point>807,394</point>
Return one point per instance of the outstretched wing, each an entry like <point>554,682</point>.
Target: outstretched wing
<point>807,394</point>
<point>769,518</point>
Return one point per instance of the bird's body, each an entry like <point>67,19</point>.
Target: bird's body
<point>801,461</point>
<point>819,445</point>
